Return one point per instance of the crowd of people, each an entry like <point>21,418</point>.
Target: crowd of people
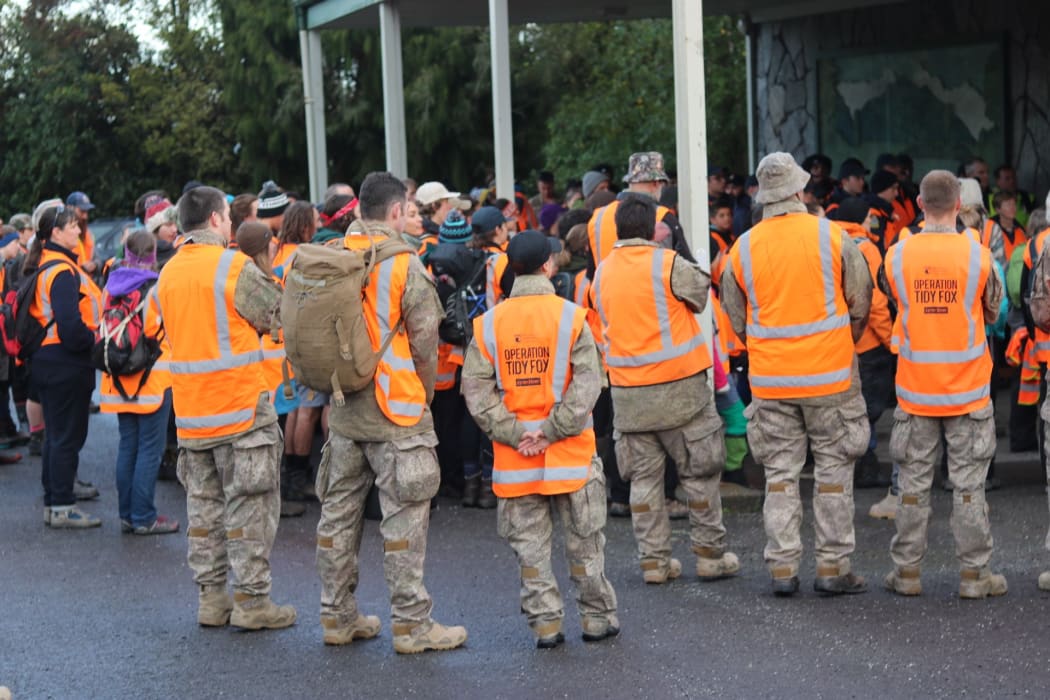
<point>539,355</point>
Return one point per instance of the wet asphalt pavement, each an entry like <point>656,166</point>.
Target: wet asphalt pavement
<point>98,614</point>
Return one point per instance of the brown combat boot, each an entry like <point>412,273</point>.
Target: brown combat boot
<point>549,635</point>
<point>258,612</point>
<point>975,584</point>
<point>413,638</point>
<point>655,571</point>
<point>338,630</point>
<point>712,565</point>
<point>595,629</point>
<point>904,580</point>
<point>213,606</point>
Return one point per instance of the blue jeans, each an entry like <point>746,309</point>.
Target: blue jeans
<point>142,441</point>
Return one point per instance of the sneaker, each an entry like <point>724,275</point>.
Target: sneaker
<point>161,526</point>
<point>904,580</point>
<point>84,490</point>
<point>676,510</point>
<point>619,510</point>
<point>258,612</point>
<point>10,458</point>
<point>839,584</point>
<point>47,515</point>
<point>337,631</point>
<point>72,519</point>
<point>711,566</point>
<point>10,434</point>
<point>975,584</point>
<point>595,629</point>
<point>886,509</point>
<point>413,638</point>
<point>214,606</point>
<point>657,572</point>
<point>126,527</point>
<point>1044,581</point>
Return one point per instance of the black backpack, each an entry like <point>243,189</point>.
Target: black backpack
<point>463,300</point>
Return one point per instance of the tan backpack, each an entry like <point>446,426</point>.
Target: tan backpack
<point>325,336</point>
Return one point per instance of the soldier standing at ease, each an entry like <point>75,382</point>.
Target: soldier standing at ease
<point>215,303</point>
<point>946,288</point>
<point>385,434</point>
<point>646,297</point>
<point>798,290</point>
<point>531,378</point>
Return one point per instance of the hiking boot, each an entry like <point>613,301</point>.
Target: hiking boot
<point>413,638</point>
<point>655,571</point>
<point>214,606</point>
<point>619,510</point>
<point>975,584</point>
<point>292,483</point>
<point>711,566</point>
<point>36,443</point>
<point>1044,581</point>
<point>163,525</point>
<point>258,612</point>
<point>291,509</point>
<point>471,491</point>
<point>72,518</point>
<point>486,498</point>
<point>595,629</point>
<point>338,632</point>
<point>785,582</point>
<point>676,510</point>
<point>84,490</point>
<point>838,584</point>
<point>904,580</point>
<point>886,509</point>
<point>866,472</point>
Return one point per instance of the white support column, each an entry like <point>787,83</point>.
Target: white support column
<point>691,132</point>
<point>749,62</point>
<point>393,88</point>
<point>502,126</point>
<point>313,102</point>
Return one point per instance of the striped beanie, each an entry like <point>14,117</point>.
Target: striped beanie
<point>455,229</point>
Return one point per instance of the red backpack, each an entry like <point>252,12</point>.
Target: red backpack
<point>123,347</point>
<point>21,333</point>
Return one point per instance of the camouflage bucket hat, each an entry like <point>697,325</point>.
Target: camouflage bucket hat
<point>646,167</point>
<point>779,178</point>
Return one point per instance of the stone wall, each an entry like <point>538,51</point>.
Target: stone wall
<point>785,65</point>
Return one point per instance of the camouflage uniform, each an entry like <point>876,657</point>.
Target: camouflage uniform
<point>526,521</point>
<point>1039,305</point>
<point>233,483</point>
<point>688,429</point>
<point>365,446</point>
<point>916,445</point>
<point>834,428</point>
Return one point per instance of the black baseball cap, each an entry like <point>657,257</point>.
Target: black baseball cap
<point>852,166</point>
<point>852,209</point>
<point>487,219</point>
<point>528,250</point>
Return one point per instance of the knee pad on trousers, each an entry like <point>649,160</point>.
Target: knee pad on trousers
<point>915,500</point>
<point>966,498</point>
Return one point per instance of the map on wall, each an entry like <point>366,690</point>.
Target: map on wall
<point>939,105</point>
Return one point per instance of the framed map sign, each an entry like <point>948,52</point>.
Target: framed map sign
<point>938,104</point>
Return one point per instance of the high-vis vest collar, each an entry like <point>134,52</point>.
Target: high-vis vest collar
<point>602,232</point>
<point>529,341</point>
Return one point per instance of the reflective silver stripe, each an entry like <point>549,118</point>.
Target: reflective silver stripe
<point>275,354</point>
<point>537,424</point>
<point>1042,346</point>
<point>598,233</point>
<point>598,299</point>
<point>562,349</point>
<point>941,399</point>
<point>901,292</point>
<point>799,381</point>
<point>384,310</point>
<point>525,476</point>
<point>490,282</point>
<point>45,299</point>
<point>827,265</point>
<point>580,297</point>
<point>744,245</point>
<point>935,357</point>
<point>96,310</point>
<point>162,366</point>
<point>488,322</point>
<point>220,420</point>
<point>971,291</point>
<point>446,377</point>
<point>658,356</point>
<point>143,400</point>
<point>208,366</point>
<point>798,329</point>
<point>663,315</point>
<point>154,298</point>
<point>399,408</point>
<point>222,317</point>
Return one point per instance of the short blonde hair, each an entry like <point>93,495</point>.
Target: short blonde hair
<point>939,191</point>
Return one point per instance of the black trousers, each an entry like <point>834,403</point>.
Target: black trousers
<point>65,394</point>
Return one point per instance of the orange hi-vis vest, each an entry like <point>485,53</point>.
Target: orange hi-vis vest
<point>581,297</point>
<point>729,344</point>
<point>943,366</point>
<point>450,358</point>
<point>650,336</point>
<point>601,229</point>
<point>799,343</point>
<point>880,324</point>
<point>282,259</point>
<point>1021,353</point>
<point>90,304</point>
<point>1010,240</point>
<point>85,247</point>
<point>216,361</point>
<point>529,341</point>
<point>495,266</point>
<point>151,396</point>
<point>273,364</point>
<point>975,235</point>
<point>398,389</point>
<point>1032,252</point>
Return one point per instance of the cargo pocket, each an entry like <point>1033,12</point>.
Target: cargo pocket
<point>180,469</point>
<point>705,445</point>
<point>982,427</point>
<point>757,439</point>
<point>323,469</point>
<point>587,507</point>
<point>622,450</point>
<point>855,429</point>
<point>503,528</point>
<point>256,463</point>
<point>417,474</point>
<point>900,435</point>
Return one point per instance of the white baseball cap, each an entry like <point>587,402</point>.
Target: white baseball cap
<point>430,192</point>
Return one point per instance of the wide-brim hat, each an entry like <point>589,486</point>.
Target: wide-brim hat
<point>779,178</point>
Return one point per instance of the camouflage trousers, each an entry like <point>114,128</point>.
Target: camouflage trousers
<point>406,473</point>
<point>779,433</point>
<point>233,504</point>
<point>527,523</point>
<point>916,445</point>
<point>1044,416</point>
<point>698,450</point>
